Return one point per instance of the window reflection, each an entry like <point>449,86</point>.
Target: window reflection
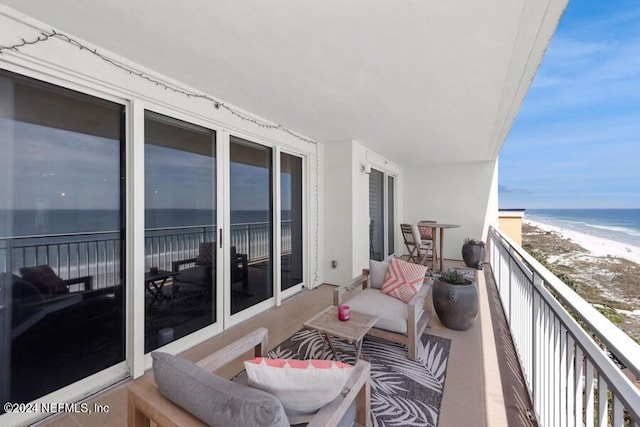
<point>291,220</point>
<point>61,237</point>
<point>180,229</point>
<point>251,224</point>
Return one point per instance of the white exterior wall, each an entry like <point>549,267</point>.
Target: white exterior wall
<point>346,208</point>
<point>453,193</point>
<point>337,209</point>
<point>360,203</point>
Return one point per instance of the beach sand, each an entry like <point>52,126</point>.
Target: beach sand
<point>597,246</point>
<point>604,272</point>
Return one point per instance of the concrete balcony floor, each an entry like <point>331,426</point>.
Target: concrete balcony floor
<point>483,386</point>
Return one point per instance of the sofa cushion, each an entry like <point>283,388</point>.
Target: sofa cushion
<point>377,272</point>
<point>392,311</point>
<point>21,289</point>
<point>206,254</point>
<point>45,279</point>
<point>303,386</point>
<point>197,275</point>
<point>213,399</point>
<point>404,279</point>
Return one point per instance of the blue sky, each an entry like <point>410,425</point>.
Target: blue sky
<point>576,140</point>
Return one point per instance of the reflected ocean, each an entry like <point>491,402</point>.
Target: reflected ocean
<point>621,225</point>
<point>43,222</point>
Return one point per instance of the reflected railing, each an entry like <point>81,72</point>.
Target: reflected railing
<point>571,355</point>
<point>97,254</point>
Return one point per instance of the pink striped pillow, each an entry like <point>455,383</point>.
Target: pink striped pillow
<point>403,280</point>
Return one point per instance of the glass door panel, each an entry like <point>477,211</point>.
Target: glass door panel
<point>62,183</point>
<point>390,214</point>
<point>291,219</point>
<point>251,231</point>
<point>376,215</point>
<point>180,229</point>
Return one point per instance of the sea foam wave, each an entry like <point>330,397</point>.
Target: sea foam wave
<point>629,231</point>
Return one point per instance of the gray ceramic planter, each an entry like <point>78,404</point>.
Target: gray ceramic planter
<point>472,255</point>
<point>456,305</point>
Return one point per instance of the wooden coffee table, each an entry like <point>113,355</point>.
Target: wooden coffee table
<point>352,330</point>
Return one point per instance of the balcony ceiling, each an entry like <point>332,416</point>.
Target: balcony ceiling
<point>416,81</point>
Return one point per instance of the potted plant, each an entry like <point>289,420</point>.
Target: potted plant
<point>473,253</point>
<point>455,299</point>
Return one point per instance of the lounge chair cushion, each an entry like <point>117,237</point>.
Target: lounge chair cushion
<point>303,386</point>
<point>377,273</point>
<point>392,311</point>
<point>213,399</point>
<point>404,279</point>
<point>197,275</point>
<point>416,234</point>
<point>45,279</point>
<point>22,290</point>
<point>206,254</point>
<point>426,232</point>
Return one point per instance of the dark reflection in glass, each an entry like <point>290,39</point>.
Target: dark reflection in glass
<point>291,218</point>
<point>61,237</point>
<point>251,224</point>
<point>390,214</point>
<point>376,215</point>
<point>180,229</point>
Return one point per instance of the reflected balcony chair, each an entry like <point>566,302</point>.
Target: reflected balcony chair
<point>419,252</point>
<point>199,271</point>
<point>42,303</point>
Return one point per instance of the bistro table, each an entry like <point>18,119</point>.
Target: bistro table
<point>434,226</point>
<point>154,283</point>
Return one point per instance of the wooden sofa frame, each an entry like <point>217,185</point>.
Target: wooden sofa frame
<point>416,325</point>
<point>146,404</point>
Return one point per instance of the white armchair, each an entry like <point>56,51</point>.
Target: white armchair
<point>399,322</point>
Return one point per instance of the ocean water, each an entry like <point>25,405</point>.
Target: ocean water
<point>59,221</point>
<point>621,225</point>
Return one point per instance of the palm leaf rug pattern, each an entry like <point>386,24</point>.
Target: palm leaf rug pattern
<point>403,392</point>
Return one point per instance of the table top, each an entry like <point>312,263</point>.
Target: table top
<point>353,329</point>
<point>438,225</point>
<point>161,274</point>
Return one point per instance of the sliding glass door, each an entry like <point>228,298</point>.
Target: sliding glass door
<point>62,234</point>
<point>180,229</point>
<point>391,218</point>
<point>376,215</point>
<point>251,224</point>
<point>291,269</point>
<point>381,214</point>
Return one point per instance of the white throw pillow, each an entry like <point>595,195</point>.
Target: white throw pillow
<point>377,273</point>
<point>302,386</point>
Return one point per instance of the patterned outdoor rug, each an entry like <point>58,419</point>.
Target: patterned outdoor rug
<point>403,392</point>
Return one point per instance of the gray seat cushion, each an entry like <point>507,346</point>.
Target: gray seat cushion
<point>392,311</point>
<point>213,399</point>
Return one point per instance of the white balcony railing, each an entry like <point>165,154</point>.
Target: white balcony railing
<point>97,254</point>
<point>572,380</point>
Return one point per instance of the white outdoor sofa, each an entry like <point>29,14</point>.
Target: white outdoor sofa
<point>146,405</point>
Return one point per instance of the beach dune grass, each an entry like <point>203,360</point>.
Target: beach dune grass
<point>610,283</point>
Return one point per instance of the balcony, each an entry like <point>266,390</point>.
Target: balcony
<point>360,110</point>
<point>547,367</point>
